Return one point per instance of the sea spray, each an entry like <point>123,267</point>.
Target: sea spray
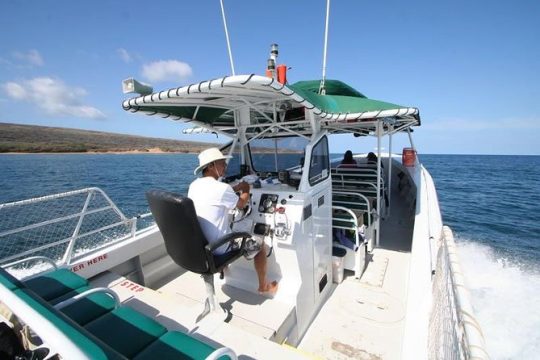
<point>506,299</point>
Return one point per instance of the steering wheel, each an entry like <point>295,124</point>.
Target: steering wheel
<point>241,214</point>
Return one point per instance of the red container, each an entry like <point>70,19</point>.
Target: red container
<point>408,157</point>
<point>282,74</point>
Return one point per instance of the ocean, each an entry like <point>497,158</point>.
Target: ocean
<point>492,204</point>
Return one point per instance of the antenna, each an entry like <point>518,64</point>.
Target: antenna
<point>322,89</point>
<point>227,36</point>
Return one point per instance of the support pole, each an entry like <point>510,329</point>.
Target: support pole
<point>227,36</point>
<point>378,227</point>
<point>322,89</point>
<point>391,129</point>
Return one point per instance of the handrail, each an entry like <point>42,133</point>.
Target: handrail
<point>85,294</point>
<point>94,214</point>
<point>454,331</point>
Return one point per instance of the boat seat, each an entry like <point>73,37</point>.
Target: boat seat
<point>121,333</point>
<point>62,284</point>
<point>57,283</point>
<point>186,244</point>
<point>126,330</point>
<point>90,308</point>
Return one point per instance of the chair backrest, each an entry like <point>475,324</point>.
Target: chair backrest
<point>177,220</point>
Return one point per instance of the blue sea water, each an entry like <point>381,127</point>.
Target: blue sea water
<point>492,203</point>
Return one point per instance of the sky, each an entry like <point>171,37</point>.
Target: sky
<point>471,67</point>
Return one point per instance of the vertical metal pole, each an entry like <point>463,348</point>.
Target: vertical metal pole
<point>411,141</point>
<point>227,36</point>
<point>73,239</point>
<point>410,138</point>
<point>378,182</point>
<point>389,194</point>
<point>322,90</point>
<point>275,154</point>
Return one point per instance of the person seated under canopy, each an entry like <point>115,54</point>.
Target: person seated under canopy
<point>348,160</point>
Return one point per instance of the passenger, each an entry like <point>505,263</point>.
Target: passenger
<point>372,159</point>
<point>348,160</point>
<point>213,201</point>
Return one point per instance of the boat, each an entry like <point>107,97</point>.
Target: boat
<point>366,268</point>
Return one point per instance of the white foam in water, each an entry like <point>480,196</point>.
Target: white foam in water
<point>506,300</point>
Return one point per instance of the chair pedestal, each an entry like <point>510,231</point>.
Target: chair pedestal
<point>211,304</point>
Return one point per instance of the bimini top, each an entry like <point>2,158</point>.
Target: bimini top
<point>224,105</point>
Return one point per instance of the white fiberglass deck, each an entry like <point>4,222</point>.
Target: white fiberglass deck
<point>363,319</point>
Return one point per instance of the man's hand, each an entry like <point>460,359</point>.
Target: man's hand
<point>243,199</point>
<point>242,187</point>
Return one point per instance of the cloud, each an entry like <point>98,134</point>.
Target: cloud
<point>124,55</point>
<point>31,57</point>
<point>481,124</point>
<point>166,70</point>
<point>52,96</point>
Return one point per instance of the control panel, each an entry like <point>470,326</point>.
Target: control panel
<point>268,203</point>
<point>275,210</point>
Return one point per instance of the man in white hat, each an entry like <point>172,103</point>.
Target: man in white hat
<point>214,200</point>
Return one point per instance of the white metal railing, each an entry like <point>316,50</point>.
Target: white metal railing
<point>454,332</point>
<point>62,227</point>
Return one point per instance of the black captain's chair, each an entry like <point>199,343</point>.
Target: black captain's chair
<point>186,244</point>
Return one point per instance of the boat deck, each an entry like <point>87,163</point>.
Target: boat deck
<point>179,312</point>
<point>363,319</point>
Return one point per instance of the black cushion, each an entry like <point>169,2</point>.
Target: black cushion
<point>177,220</point>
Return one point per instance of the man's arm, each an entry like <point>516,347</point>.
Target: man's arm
<point>243,199</point>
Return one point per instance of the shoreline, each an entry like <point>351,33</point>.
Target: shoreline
<point>146,151</point>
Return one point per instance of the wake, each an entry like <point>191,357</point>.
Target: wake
<point>506,299</point>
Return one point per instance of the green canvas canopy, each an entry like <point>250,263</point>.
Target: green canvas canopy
<point>215,104</point>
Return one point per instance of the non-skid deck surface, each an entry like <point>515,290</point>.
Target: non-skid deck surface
<point>363,319</point>
<point>178,312</point>
<point>252,312</point>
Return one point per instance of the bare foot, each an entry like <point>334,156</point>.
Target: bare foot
<point>270,289</point>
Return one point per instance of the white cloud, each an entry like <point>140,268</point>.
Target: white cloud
<point>14,90</point>
<point>52,96</point>
<point>31,57</point>
<point>124,55</point>
<point>166,70</point>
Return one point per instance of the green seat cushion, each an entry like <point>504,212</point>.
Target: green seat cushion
<point>9,281</point>
<point>54,284</point>
<point>89,308</point>
<point>86,342</point>
<point>126,331</point>
<point>176,345</point>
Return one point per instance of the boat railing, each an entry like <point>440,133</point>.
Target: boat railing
<point>454,331</point>
<point>62,227</point>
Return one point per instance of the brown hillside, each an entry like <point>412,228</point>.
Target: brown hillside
<point>37,139</point>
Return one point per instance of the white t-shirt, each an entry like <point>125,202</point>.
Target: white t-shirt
<point>213,201</point>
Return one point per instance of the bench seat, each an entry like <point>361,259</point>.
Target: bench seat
<point>96,325</point>
<point>55,284</point>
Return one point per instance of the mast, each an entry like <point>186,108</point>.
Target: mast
<point>227,36</point>
<point>322,89</point>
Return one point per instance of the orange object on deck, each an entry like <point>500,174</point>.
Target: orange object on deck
<point>282,74</point>
<point>408,157</point>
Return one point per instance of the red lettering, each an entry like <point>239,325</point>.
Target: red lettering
<point>132,286</point>
<point>96,260</point>
<point>77,267</point>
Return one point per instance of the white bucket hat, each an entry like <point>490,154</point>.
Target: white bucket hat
<point>208,156</point>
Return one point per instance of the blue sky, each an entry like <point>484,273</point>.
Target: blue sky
<point>471,67</point>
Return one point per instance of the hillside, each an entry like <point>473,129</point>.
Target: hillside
<point>43,139</point>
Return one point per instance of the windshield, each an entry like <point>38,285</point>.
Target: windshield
<point>272,155</point>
